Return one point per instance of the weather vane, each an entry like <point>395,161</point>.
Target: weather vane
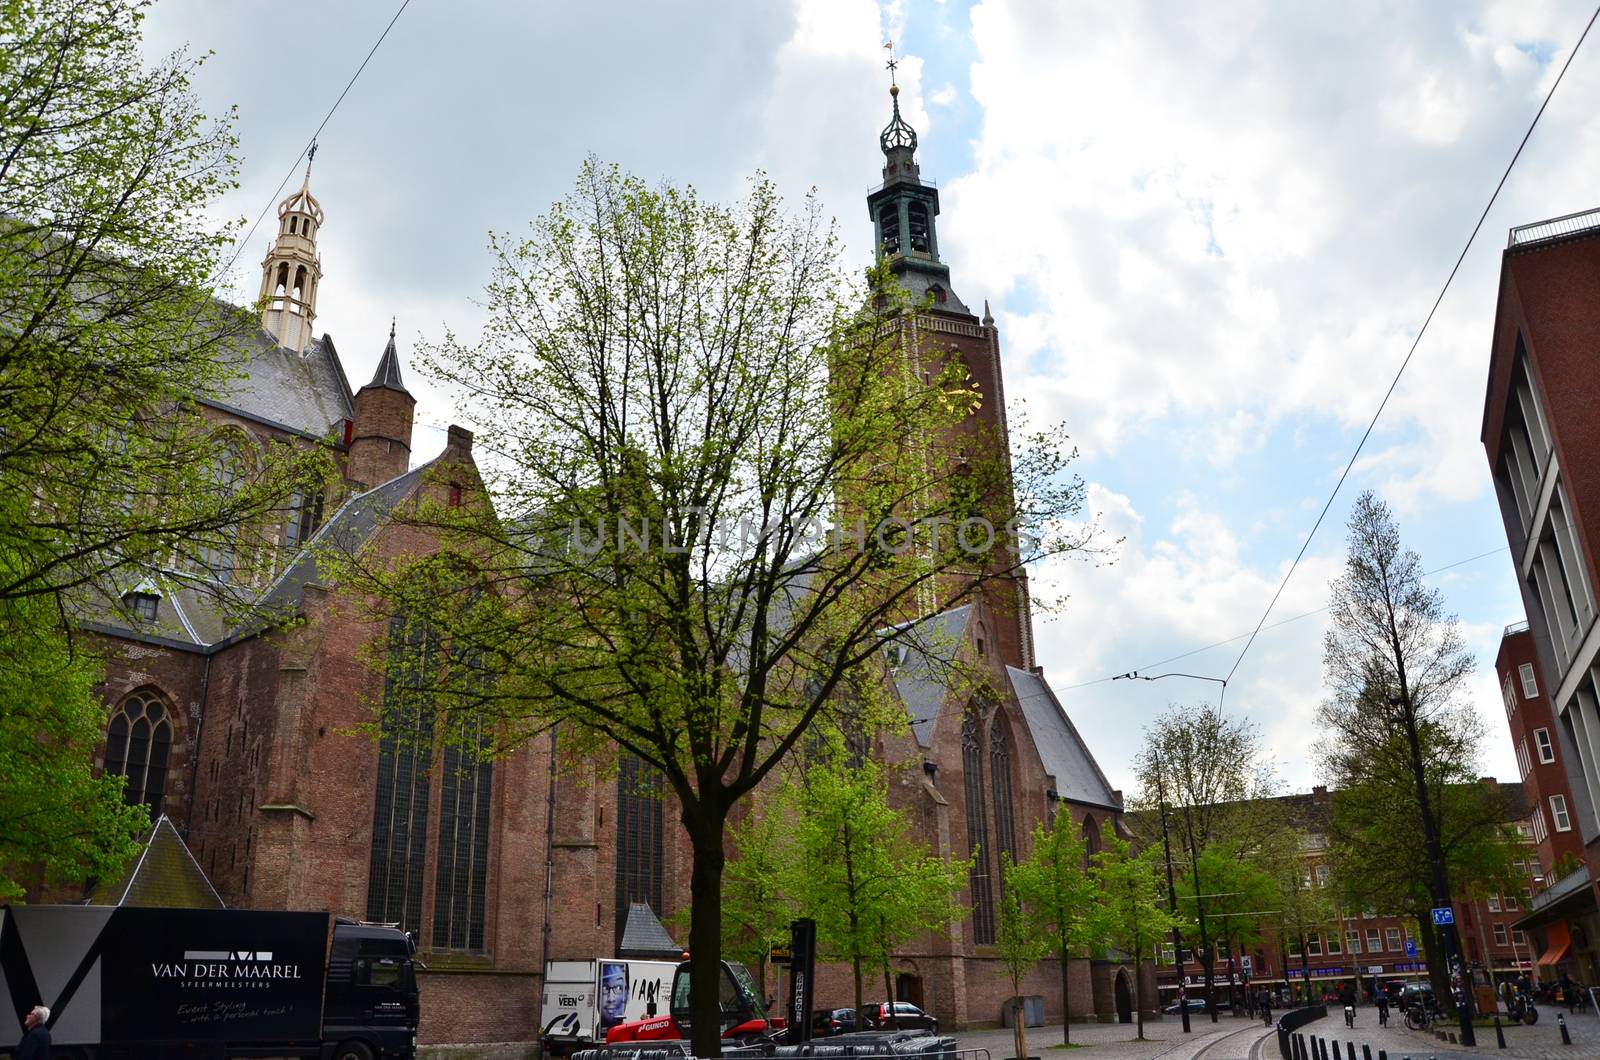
<point>893,63</point>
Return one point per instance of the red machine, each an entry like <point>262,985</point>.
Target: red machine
<point>744,1016</point>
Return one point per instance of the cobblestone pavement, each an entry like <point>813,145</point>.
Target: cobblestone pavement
<point>1228,1039</point>
<point>1542,1041</point>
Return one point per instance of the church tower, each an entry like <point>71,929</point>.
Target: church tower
<point>380,436</point>
<point>904,210</point>
<point>292,269</point>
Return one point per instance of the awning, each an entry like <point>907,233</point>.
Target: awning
<point>1557,940</point>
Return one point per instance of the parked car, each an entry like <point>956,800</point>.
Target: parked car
<point>830,1021</point>
<point>1195,1004</point>
<point>908,1017</point>
<point>1413,992</point>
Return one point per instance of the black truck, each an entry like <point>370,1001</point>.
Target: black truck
<point>127,983</point>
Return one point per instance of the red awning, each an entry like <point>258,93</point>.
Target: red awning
<point>1557,940</point>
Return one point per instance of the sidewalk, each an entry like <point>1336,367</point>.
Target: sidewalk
<point>1230,1038</point>
<point>1542,1041</point>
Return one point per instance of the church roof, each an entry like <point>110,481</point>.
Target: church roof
<point>643,935</point>
<point>1064,754</point>
<point>305,392</point>
<point>924,655</point>
<point>164,875</point>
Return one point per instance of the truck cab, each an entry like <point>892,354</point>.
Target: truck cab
<point>371,1007</point>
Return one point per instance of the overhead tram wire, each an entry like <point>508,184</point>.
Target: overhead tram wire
<point>1281,622</point>
<point>311,143</point>
<point>1415,342</point>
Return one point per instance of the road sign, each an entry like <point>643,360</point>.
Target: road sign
<point>1376,969</point>
<point>1411,947</point>
<point>1444,915</point>
<point>1244,963</point>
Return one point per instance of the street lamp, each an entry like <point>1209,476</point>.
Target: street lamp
<point>1406,716</point>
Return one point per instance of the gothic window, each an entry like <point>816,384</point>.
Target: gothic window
<point>1091,837</point>
<point>305,515</point>
<point>1005,838</point>
<point>977,830</point>
<point>138,743</point>
<point>917,222</point>
<point>463,874</point>
<point>639,835</point>
<point>405,755</point>
<point>889,229</point>
<point>218,548</point>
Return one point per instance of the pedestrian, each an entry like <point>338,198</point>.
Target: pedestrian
<point>35,1044</point>
<point>1569,992</point>
<point>1266,1007</point>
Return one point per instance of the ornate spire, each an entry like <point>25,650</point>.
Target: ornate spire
<point>388,373</point>
<point>897,134</point>
<point>292,270</point>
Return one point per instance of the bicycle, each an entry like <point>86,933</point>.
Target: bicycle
<point>1421,1016</point>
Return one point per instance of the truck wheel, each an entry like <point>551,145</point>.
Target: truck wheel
<point>353,1051</point>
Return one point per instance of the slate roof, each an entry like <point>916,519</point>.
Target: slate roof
<point>306,392</point>
<point>388,373</point>
<point>164,875</point>
<point>927,649</point>
<point>1064,754</point>
<point>643,935</point>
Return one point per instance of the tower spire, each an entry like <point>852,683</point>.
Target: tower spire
<point>292,268</point>
<point>388,372</point>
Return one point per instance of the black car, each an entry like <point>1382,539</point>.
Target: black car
<point>830,1021</point>
<point>905,1017</point>
<point>1195,1004</point>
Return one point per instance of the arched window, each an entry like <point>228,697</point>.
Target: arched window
<point>917,222</point>
<point>293,223</point>
<point>889,229</point>
<point>977,830</point>
<point>640,831</point>
<point>1005,838</point>
<point>299,289</point>
<point>461,887</point>
<point>1091,837</point>
<point>218,548</point>
<point>281,287</point>
<point>138,743</point>
<point>405,758</point>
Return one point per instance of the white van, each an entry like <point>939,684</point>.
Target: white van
<point>584,999</point>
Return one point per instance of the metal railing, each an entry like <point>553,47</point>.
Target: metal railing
<point>1571,224</point>
<point>1515,627</point>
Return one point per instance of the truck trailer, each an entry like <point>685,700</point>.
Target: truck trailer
<point>583,1000</point>
<point>129,983</point>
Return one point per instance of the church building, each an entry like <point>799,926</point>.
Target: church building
<point>243,734</point>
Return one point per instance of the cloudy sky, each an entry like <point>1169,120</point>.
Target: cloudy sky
<point>1208,232</point>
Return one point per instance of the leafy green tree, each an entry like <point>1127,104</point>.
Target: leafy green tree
<point>109,471</point>
<point>1397,669</point>
<point>1059,894</point>
<point>1240,893</point>
<point>683,397</point>
<point>1020,946</point>
<point>756,908</point>
<point>54,814</point>
<point>1132,893</point>
<point>1213,776</point>
<point>858,872</point>
<point>1304,909</point>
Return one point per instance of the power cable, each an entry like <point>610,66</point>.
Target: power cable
<point>1415,342</point>
<point>311,143</point>
<point>1275,625</point>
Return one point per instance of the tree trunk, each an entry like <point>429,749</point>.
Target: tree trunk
<point>1019,1020</point>
<point>861,1010</point>
<point>1066,1002</point>
<point>1433,953</point>
<point>888,991</point>
<point>705,933</point>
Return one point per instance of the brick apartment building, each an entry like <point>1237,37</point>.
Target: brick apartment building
<point>1541,434</point>
<point>1361,948</point>
<point>242,734</point>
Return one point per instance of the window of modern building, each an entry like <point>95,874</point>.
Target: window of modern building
<point>1494,903</point>
<point>138,743</point>
<point>1511,903</point>
<point>1322,875</point>
<point>1374,941</point>
<point>1523,762</point>
<point>1539,830</point>
<point>1394,939</point>
<point>1558,813</point>
<point>1547,751</point>
<point>641,832</point>
<point>1352,941</point>
<point>1510,694</point>
<point>977,831</point>
<point>1314,945</point>
<point>1518,937</point>
<point>1334,945</point>
<point>462,878</point>
<point>1499,934</point>
<point>1530,687</point>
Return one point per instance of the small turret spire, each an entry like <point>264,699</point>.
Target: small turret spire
<point>388,373</point>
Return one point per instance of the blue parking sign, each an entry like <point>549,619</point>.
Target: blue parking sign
<point>1411,947</point>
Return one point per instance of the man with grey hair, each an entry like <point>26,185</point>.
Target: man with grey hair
<point>35,1044</point>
